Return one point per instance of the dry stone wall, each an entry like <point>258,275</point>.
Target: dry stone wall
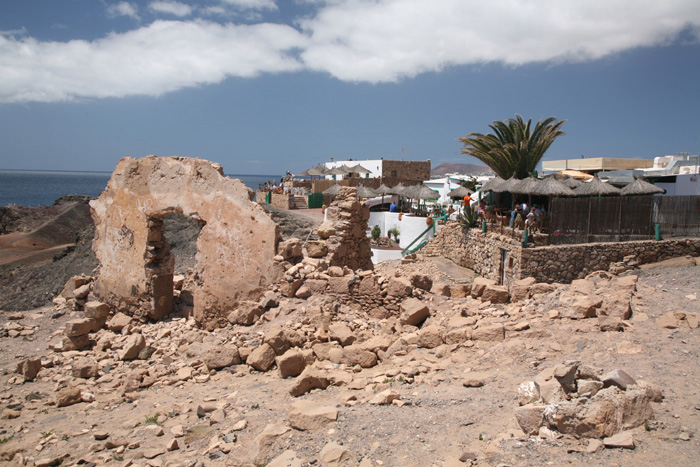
<point>562,263</point>
<point>348,245</point>
<point>235,246</point>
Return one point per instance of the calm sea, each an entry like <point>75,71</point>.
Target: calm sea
<point>39,188</point>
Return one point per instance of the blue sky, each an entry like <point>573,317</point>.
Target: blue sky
<point>265,86</point>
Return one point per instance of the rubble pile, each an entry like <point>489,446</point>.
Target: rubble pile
<point>576,399</point>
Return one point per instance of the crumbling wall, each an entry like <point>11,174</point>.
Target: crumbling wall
<point>234,250</point>
<point>346,224</point>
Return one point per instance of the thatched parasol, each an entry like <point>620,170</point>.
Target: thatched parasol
<point>384,190</point>
<point>317,171</point>
<point>571,182</point>
<point>332,190</point>
<point>550,186</point>
<point>492,184</point>
<point>508,186</point>
<point>525,186</point>
<point>342,170</point>
<point>460,192</point>
<point>596,187</point>
<point>398,190</point>
<point>641,187</point>
<point>358,169</point>
<point>425,193</point>
<point>365,192</point>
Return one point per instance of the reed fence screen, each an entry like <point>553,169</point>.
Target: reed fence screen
<point>623,218</point>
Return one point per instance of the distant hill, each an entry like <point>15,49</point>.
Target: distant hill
<point>467,169</point>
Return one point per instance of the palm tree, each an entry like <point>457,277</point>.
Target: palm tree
<point>513,149</point>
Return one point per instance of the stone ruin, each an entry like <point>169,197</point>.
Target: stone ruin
<point>235,248</point>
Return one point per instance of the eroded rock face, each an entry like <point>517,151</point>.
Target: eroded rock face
<point>135,275</point>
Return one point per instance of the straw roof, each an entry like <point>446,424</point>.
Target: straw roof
<point>509,185</point>
<point>365,192</point>
<point>410,191</point>
<point>550,186</point>
<point>596,187</point>
<point>641,187</point>
<point>342,170</point>
<point>317,171</point>
<point>384,190</point>
<point>492,184</point>
<point>358,169</point>
<point>571,182</point>
<point>332,190</point>
<point>424,192</point>
<point>460,192</point>
<point>398,189</point>
<point>526,186</point>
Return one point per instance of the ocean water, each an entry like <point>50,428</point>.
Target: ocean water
<point>42,188</point>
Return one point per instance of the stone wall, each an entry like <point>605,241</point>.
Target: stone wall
<point>568,262</point>
<point>410,170</point>
<point>235,247</point>
<point>282,201</point>
<point>347,218</point>
<point>562,263</point>
<point>260,196</point>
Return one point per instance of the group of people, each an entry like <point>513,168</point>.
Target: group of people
<point>528,217</point>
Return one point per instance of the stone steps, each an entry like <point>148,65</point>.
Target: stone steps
<point>300,202</point>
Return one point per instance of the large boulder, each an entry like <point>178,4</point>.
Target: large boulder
<point>479,285</point>
<point>414,312</point>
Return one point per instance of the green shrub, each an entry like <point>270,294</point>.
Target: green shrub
<point>469,218</point>
<point>376,232</point>
<point>395,232</point>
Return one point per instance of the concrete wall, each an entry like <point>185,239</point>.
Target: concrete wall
<point>562,263</point>
<point>409,226</point>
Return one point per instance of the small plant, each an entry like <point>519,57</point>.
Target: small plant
<point>5,440</point>
<point>481,437</point>
<point>395,232</point>
<point>46,434</point>
<point>64,437</point>
<point>117,457</point>
<point>153,420</point>
<point>469,218</point>
<point>647,427</point>
<point>388,380</point>
<point>376,232</point>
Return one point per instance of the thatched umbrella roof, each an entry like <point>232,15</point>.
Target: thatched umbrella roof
<point>384,190</point>
<point>398,189</point>
<point>365,192</point>
<point>525,186</point>
<point>424,192</point>
<point>317,171</point>
<point>492,184</point>
<point>571,182</point>
<point>332,190</point>
<point>342,170</point>
<point>509,185</point>
<point>460,192</point>
<point>596,187</point>
<point>550,186</point>
<point>410,191</point>
<point>358,169</point>
<point>641,187</point>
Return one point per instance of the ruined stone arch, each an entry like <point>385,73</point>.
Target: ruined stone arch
<point>235,248</point>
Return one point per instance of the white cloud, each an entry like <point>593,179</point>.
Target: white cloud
<point>385,40</point>
<point>123,9</point>
<point>172,8</point>
<point>353,40</point>
<point>162,57</point>
<point>252,4</point>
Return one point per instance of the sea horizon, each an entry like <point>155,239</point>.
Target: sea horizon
<point>27,187</point>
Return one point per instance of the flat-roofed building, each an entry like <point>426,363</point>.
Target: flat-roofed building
<point>596,164</point>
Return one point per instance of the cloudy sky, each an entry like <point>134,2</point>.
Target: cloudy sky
<point>265,86</point>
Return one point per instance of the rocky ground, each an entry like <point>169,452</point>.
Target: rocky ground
<point>373,391</point>
<point>42,247</point>
<point>419,363</point>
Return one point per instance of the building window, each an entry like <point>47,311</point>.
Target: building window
<point>393,173</point>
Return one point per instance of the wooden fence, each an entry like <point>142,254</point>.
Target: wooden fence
<point>623,218</point>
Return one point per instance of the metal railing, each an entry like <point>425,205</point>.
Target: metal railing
<point>410,249</point>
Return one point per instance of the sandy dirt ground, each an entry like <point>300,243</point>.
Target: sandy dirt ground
<point>438,421</point>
